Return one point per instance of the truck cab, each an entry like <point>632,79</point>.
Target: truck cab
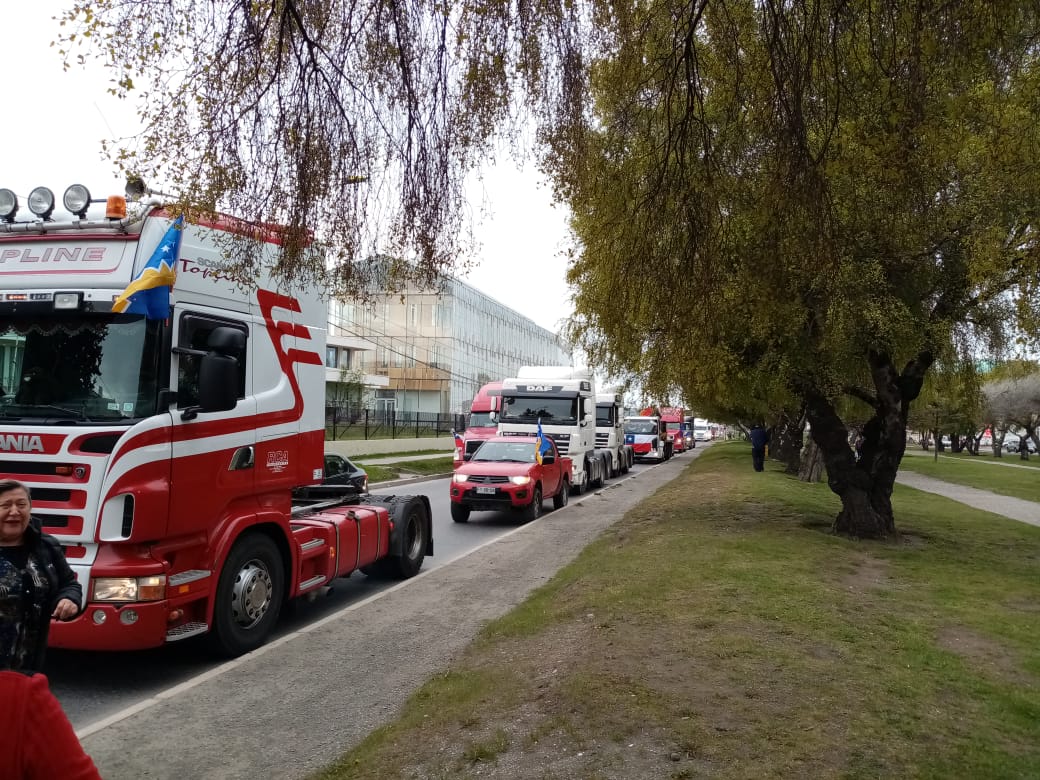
<point>163,415</point>
<point>483,421</point>
<point>610,432</point>
<point>648,438</point>
<point>561,401</point>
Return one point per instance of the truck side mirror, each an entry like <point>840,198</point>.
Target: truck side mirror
<point>218,373</point>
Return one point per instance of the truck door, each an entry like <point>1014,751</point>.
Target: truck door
<point>213,453</point>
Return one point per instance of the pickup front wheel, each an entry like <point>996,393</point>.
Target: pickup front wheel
<point>534,510</point>
<point>459,513</point>
<point>560,499</point>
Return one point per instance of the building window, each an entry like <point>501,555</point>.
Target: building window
<point>330,357</point>
<point>344,360</point>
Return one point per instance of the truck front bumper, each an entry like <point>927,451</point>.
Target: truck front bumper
<point>136,626</point>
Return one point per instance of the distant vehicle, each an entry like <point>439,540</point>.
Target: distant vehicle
<point>1012,442</point>
<point>338,472</point>
<point>505,473</point>
<point>648,438</point>
<point>701,430</point>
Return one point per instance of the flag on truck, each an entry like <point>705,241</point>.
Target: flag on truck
<point>149,292</point>
<point>544,443</point>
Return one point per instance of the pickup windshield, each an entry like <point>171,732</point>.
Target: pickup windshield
<point>87,368</point>
<point>532,408</point>
<point>505,452</point>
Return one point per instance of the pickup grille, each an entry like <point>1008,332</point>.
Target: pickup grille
<point>483,479</point>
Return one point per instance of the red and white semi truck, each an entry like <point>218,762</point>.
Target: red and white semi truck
<point>482,423</point>
<point>163,452</point>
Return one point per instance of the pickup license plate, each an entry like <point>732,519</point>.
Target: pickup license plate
<point>489,491</point>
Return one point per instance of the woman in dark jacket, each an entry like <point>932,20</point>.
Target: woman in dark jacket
<point>36,583</point>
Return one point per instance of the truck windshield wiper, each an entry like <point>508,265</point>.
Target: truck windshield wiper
<point>79,415</point>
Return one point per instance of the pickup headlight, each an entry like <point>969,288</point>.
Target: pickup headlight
<point>520,480</point>
<point>460,478</point>
<point>128,588</point>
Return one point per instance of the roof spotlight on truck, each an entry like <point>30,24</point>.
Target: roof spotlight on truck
<point>41,203</point>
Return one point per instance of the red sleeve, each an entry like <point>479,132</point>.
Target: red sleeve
<point>51,748</point>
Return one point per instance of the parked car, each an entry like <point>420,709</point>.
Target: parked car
<point>1011,444</point>
<point>340,472</point>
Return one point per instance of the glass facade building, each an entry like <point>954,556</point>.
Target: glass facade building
<point>437,347</point>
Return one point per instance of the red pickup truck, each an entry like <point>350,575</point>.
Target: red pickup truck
<point>505,473</point>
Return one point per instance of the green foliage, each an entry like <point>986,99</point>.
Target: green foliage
<point>768,193</point>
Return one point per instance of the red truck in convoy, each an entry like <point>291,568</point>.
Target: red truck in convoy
<point>674,419</point>
<point>511,472</point>
<point>163,415</point>
<point>482,423</point>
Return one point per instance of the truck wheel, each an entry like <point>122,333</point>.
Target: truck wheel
<point>626,464</point>
<point>249,596</point>
<point>601,473</point>
<point>560,499</point>
<point>579,487</point>
<point>414,527</point>
<point>459,513</point>
<point>534,510</point>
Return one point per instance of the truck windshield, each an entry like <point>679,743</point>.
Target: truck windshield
<point>81,367</point>
<point>641,426</point>
<point>483,419</point>
<point>531,408</point>
<point>605,416</point>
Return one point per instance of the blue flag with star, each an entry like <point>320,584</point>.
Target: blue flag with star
<point>544,443</point>
<point>149,292</point>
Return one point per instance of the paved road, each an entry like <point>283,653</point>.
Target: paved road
<point>96,686</point>
<point>295,704</point>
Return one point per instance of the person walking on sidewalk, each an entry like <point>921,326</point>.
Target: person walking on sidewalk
<point>759,439</point>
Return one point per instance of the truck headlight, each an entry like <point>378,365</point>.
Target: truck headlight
<point>525,480</point>
<point>151,588</point>
<point>460,478</point>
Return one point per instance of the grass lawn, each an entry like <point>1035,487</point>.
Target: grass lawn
<point>982,472</point>
<point>721,631</point>
<point>383,472</point>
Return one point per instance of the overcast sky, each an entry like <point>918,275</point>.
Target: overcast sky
<point>55,122</point>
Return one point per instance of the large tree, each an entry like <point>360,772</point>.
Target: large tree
<point>808,202</point>
<point>352,124</point>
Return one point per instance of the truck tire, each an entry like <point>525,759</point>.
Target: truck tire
<point>414,526</point>
<point>579,487</point>
<point>459,513</point>
<point>534,510</point>
<point>596,482</point>
<point>560,499</point>
<point>249,596</point>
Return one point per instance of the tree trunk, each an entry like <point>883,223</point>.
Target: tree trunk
<point>865,488</point>
<point>811,468</point>
<point>786,442</point>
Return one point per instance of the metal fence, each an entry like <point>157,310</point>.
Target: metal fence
<point>343,423</point>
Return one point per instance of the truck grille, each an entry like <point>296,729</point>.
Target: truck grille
<point>602,439</point>
<point>484,479</point>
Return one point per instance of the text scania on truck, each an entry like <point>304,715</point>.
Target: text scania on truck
<point>162,416</point>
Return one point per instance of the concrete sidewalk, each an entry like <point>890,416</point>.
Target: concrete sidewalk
<point>1013,508</point>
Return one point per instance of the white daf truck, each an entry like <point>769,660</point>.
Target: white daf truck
<point>610,431</point>
<point>562,401</point>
